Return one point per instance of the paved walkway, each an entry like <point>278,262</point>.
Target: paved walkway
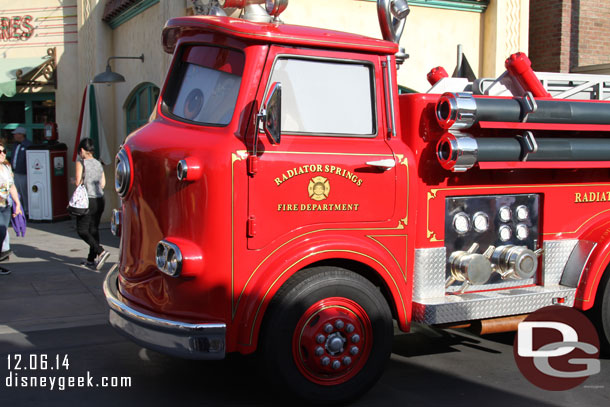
<point>48,289</point>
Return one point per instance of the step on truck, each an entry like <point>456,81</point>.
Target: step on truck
<point>284,199</point>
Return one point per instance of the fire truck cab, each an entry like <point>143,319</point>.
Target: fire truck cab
<point>285,199</point>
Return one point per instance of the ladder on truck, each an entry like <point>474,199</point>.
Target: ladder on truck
<point>559,85</point>
<point>575,85</point>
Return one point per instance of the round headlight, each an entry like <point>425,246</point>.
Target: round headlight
<point>505,213</point>
<point>461,223</point>
<point>480,220</point>
<point>522,231</point>
<point>522,212</point>
<point>122,173</point>
<point>505,233</point>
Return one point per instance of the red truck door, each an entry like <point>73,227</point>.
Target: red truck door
<point>333,167</point>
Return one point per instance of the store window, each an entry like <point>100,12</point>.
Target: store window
<point>140,105</point>
<point>29,110</point>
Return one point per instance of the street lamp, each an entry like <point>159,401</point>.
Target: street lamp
<point>112,77</point>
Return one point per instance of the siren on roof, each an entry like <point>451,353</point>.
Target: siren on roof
<point>252,10</point>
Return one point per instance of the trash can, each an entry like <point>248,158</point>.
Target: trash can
<point>47,181</point>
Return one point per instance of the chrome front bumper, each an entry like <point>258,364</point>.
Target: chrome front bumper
<point>191,341</point>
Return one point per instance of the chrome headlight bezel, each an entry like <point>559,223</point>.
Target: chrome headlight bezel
<point>122,173</point>
<point>168,258</point>
<point>461,223</point>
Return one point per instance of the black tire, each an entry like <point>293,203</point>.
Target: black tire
<point>301,311</point>
<point>600,313</point>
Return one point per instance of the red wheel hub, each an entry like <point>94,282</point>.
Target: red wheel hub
<point>332,341</point>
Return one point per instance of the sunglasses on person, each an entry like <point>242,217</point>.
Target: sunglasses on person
<point>2,151</point>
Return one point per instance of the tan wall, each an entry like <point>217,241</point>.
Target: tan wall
<point>506,31</point>
<point>431,35</point>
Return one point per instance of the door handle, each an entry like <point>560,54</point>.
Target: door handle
<point>386,164</point>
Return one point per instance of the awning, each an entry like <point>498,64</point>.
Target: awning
<point>9,72</point>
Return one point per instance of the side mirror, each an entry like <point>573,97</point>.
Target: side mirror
<point>271,113</point>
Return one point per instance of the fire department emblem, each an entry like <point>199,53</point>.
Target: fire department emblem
<point>318,188</point>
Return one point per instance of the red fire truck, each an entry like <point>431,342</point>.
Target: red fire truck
<point>285,199</point>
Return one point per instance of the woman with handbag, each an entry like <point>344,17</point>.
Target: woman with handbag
<point>7,187</point>
<point>90,173</point>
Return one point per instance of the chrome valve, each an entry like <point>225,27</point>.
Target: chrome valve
<point>515,262</point>
<point>470,267</point>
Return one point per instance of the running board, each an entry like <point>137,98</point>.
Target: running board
<point>490,304</point>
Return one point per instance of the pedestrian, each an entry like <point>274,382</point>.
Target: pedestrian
<point>7,189</point>
<point>20,169</point>
<point>89,171</point>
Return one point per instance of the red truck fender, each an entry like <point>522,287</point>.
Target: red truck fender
<point>597,263</point>
<point>379,266</point>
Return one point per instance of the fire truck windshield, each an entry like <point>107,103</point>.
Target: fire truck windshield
<point>204,85</point>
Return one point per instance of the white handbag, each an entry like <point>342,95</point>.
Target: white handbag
<point>79,203</point>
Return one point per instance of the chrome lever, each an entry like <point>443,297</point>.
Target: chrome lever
<point>386,164</point>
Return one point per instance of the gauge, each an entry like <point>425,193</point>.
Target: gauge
<point>461,223</point>
<point>522,212</point>
<point>505,233</point>
<point>522,231</point>
<point>505,213</point>
<point>480,221</point>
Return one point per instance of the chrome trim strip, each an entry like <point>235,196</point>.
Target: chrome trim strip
<point>192,341</point>
<point>391,94</point>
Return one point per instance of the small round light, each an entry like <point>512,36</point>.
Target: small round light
<point>505,214</point>
<point>505,233</point>
<point>480,221</point>
<point>522,232</point>
<point>461,223</point>
<point>522,212</point>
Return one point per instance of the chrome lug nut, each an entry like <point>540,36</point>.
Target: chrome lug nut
<point>347,361</point>
<point>355,338</point>
<point>354,350</point>
<point>328,328</point>
<point>319,351</point>
<point>320,338</point>
<point>325,361</point>
<point>336,364</point>
<point>349,328</point>
<point>339,324</point>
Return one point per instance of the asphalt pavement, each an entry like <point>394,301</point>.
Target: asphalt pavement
<point>48,288</point>
<point>54,327</point>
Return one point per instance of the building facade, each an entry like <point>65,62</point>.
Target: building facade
<point>570,36</point>
<point>86,33</point>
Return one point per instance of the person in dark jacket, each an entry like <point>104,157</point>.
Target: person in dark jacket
<point>19,165</point>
